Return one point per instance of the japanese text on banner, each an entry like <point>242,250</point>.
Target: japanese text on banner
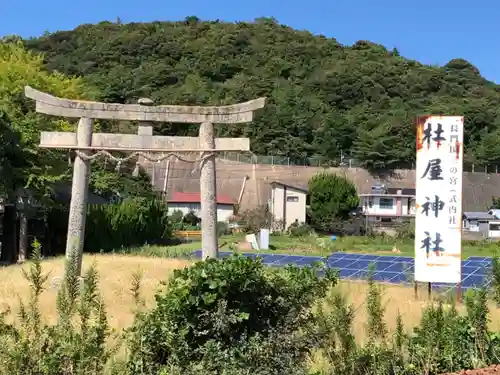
<point>438,199</point>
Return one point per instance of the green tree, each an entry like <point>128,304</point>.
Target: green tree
<point>19,67</point>
<point>10,158</point>
<point>110,183</point>
<point>495,203</point>
<point>332,198</point>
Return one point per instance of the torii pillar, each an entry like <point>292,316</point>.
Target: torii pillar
<point>86,143</point>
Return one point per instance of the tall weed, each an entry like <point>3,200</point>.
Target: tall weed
<point>75,345</point>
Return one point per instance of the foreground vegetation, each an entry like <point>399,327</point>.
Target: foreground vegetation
<point>235,316</point>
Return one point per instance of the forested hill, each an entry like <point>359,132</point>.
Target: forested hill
<point>323,97</point>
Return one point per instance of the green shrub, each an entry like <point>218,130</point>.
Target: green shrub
<point>332,198</point>
<point>462,341</point>
<point>406,230</point>
<point>133,222</point>
<point>191,219</point>
<point>300,230</point>
<point>222,228</point>
<point>233,312</point>
<point>176,220</point>
<point>495,279</point>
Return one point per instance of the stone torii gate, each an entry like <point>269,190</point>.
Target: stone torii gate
<point>89,145</point>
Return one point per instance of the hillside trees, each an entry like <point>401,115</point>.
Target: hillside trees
<point>324,98</point>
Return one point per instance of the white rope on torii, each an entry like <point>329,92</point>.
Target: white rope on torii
<point>108,155</point>
<point>89,146</point>
<point>102,154</point>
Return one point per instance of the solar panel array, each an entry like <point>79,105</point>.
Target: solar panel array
<point>386,268</point>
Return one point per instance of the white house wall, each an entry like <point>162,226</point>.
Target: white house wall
<point>224,211</point>
<point>295,210</point>
<point>383,210</point>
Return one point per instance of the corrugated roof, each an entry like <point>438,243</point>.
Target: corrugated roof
<point>478,215</point>
<point>404,191</point>
<point>300,187</point>
<point>180,197</point>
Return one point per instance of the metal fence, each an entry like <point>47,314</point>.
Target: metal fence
<point>250,158</point>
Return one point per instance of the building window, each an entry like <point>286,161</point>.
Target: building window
<point>494,227</point>
<point>386,203</point>
<point>370,203</point>
<point>292,198</point>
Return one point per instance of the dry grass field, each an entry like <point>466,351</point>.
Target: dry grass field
<point>116,273</point>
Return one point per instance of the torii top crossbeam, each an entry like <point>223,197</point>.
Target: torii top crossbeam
<point>229,114</point>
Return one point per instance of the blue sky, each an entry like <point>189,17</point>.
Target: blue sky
<point>432,32</point>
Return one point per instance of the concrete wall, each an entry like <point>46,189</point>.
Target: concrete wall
<point>478,188</point>
<point>284,209</point>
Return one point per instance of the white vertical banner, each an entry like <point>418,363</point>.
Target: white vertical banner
<point>438,215</point>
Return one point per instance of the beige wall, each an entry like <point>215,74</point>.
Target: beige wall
<point>295,210</point>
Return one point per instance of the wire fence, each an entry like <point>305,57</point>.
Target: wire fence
<point>248,158</point>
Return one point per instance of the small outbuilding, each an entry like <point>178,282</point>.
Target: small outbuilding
<point>288,203</point>
<point>476,221</point>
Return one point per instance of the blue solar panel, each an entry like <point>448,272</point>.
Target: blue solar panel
<point>272,258</point>
<point>342,263</point>
<point>387,268</point>
<point>396,258</point>
<point>474,281</point>
<point>289,259</point>
<point>382,265</point>
<point>308,261</point>
<point>263,257</point>
<point>370,257</point>
<point>441,286</point>
<point>399,278</point>
<point>345,273</point>
<point>469,270</point>
<point>480,258</point>
<point>398,267</point>
<point>477,262</point>
<point>361,264</point>
<point>350,256</point>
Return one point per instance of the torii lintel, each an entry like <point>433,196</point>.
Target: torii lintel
<point>228,114</point>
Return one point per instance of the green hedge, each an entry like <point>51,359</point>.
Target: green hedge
<point>133,222</point>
